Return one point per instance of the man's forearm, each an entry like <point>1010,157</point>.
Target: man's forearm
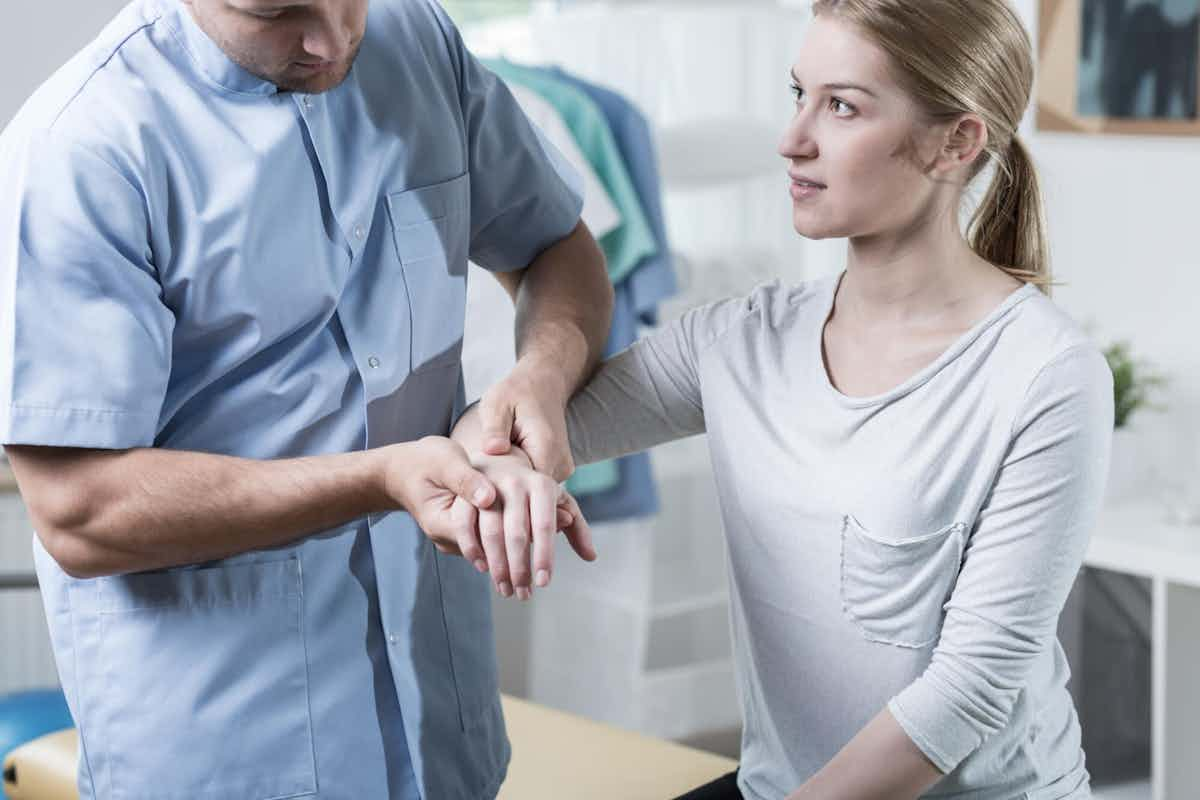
<point>564,309</point>
<point>134,510</point>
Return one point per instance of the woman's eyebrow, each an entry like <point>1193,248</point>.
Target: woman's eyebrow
<point>837,87</point>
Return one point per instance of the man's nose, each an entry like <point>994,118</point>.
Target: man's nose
<point>327,39</point>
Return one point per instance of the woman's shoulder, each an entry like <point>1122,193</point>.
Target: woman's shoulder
<point>1043,345</point>
<point>767,307</point>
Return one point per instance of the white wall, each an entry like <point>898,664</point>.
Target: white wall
<point>37,37</point>
<point>1124,220</point>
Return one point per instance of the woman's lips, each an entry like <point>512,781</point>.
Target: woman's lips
<point>804,190</point>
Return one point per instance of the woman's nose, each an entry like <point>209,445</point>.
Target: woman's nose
<point>798,140</point>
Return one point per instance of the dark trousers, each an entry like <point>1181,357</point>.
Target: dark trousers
<point>721,789</point>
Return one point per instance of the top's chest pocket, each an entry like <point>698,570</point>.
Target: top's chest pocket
<point>431,226</point>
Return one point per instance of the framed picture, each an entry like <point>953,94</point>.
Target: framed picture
<point>1119,66</point>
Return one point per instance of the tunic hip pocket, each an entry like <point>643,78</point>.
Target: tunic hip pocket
<point>895,589</point>
<point>206,684</point>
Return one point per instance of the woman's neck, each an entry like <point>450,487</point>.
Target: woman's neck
<point>914,276</point>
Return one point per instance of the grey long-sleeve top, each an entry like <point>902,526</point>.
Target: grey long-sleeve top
<point>911,550</point>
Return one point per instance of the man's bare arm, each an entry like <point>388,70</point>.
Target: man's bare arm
<point>104,512</point>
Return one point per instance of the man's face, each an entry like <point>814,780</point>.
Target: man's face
<point>299,45</point>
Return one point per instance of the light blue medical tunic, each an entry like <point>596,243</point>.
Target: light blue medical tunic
<point>193,260</point>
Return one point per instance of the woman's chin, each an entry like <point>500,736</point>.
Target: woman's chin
<point>811,230</point>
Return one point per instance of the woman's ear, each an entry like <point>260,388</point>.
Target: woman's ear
<point>964,141</point>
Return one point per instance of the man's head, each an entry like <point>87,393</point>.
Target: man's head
<point>298,45</point>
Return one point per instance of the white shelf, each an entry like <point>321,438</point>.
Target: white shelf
<point>1136,539</point>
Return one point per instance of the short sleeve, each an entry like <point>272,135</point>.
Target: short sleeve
<point>525,196</point>
<point>86,338</point>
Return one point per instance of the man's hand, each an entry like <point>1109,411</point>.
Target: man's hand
<point>528,408</point>
<point>425,478</point>
<point>516,534</point>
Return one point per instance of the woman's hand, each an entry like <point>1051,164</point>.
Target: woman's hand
<point>513,539</point>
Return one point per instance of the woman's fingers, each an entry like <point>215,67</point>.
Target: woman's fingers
<point>543,519</point>
<point>578,532</point>
<point>517,539</point>
<point>491,534</point>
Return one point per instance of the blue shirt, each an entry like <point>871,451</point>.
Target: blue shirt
<point>193,260</point>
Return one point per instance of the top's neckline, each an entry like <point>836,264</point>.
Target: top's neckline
<point>964,341</point>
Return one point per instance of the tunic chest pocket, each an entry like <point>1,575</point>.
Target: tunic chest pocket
<point>895,589</point>
<point>431,226</point>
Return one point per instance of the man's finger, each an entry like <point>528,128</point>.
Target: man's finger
<point>496,419</point>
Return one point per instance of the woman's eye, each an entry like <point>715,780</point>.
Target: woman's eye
<point>797,93</point>
<point>841,108</point>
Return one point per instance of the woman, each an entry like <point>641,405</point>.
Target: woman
<point>909,456</point>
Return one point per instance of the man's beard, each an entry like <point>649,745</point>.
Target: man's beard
<point>289,79</point>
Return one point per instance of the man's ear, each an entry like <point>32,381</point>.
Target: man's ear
<point>964,141</point>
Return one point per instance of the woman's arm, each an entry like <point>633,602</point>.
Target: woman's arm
<point>879,762</point>
<point>644,396</point>
<point>1020,563</point>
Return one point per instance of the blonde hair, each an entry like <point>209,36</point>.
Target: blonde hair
<point>970,56</point>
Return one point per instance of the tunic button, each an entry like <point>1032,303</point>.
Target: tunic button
<point>373,362</point>
<point>392,638</point>
<point>359,232</point>
<point>307,102</point>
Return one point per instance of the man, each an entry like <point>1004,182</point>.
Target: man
<point>235,241</point>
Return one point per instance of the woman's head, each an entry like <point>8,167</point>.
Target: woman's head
<point>900,104</point>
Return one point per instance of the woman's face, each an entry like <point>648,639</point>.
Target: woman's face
<point>855,143</point>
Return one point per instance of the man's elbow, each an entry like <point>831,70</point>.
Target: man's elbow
<point>62,523</point>
<point>74,554</point>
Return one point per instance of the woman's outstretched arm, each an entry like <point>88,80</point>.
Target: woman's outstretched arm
<point>644,396</point>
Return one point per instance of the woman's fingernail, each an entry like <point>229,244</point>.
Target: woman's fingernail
<point>481,565</point>
<point>506,589</point>
<point>543,577</point>
<point>523,593</point>
<point>481,495</point>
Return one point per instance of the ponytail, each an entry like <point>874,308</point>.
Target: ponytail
<point>1008,228</point>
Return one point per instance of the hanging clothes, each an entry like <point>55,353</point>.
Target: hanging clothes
<point>637,296</point>
<point>653,279</point>
<point>626,246</point>
<point>599,212</point>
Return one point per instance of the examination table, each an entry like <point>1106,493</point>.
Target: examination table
<point>556,756</point>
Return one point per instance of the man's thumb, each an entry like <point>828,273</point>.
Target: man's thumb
<point>497,423</point>
<point>469,484</point>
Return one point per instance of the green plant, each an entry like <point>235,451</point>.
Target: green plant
<point>1133,382</point>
